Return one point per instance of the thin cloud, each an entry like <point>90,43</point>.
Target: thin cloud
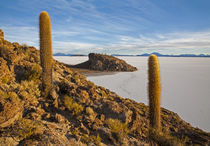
<point>197,41</point>
<point>24,34</point>
<point>66,46</point>
<point>111,26</point>
<point>191,42</point>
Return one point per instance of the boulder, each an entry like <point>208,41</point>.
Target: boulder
<point>9,112</point>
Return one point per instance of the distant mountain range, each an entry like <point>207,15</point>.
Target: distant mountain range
<point>63,54</point>
<point>181,55</point>
<point>146,54</point>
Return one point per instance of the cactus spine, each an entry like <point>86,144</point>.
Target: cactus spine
<point>154,88</point>
<point>45,52</point>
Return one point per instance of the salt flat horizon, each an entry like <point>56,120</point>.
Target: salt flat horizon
<point>185,85</point>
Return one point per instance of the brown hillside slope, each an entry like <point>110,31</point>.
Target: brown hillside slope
<point>78,113</point>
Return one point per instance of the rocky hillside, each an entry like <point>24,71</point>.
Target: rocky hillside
<point>78,112</point>
<point>100,62</point>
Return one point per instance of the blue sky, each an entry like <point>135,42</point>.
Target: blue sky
<point>112,26</point>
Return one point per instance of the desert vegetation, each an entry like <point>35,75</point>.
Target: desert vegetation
<point>46,52</point>
<point>154,92</point>
<point>154,89</point>
<point>78,112</point>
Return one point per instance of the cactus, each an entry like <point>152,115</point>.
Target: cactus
<point>154,88</point>
<point>45,52</point>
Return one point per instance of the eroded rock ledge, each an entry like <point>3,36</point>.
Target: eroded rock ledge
<point>101,62</point>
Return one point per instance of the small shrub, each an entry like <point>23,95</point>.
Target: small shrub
<point>117,127</point>
<point>85,138</point>
<point>31,87</point>
<point>110,98</point>
<point>33,73</point>
<point>103,94</point>
<point>4,51</point>
<point>97,140</point>
<point>75,132</point>
<point>29,91</point>
<point>14,97</point>
<point>76,108</point>
<point>3,94</point>
<point>163,138</point>
<point>68,101</point>
<point>27,127</point>
<point>73,106</point>
<point>25,45</point>
<point>164,116</point>
<point>91,113</point>
<point>9,95</point>
<point>65,86</point>
<point>94,139</point>
<point>5,79</point>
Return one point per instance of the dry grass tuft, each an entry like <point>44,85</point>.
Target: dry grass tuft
<point>73,106</point>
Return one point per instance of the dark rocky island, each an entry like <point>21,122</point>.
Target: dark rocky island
<point>101,62</point>
<point>78,112</point>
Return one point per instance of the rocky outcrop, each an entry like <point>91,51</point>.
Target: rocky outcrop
<point>80,112</point>
<point>100,62</point>
<point>10,112</point>
<point>1,34</point>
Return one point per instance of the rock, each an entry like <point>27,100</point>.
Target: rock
<point>112,109</point>
<point>61,119</point>
<point>74,142</point>
<point>83,96</point>
<point>91,114</point>
<point>102,117</point>
<point>53,94</point>
<point>8,141</point>
<point>27,142</point>
<point>10,112</point>
<point>102,62</point>
<point>54,139</point>
<point>83,129</point>
<point>6,76</point>
<point>131,141</point>
<point>16,45</point>
<point>107,136</point>
<point>35,116</point>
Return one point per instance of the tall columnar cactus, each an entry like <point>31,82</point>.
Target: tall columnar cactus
<point>45,52</point>
<point>154,88</point>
